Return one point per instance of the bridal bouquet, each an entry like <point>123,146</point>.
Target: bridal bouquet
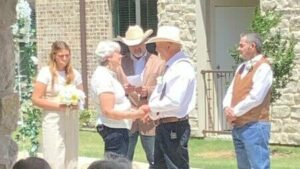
<point>70,95</point>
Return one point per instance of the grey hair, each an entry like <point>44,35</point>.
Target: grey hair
<point>106,49</point>
<point>253,38</point>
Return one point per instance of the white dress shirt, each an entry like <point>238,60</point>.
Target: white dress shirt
<point>262,81</point>
<point>179,96</point>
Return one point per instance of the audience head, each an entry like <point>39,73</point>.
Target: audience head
<point>32,163</point>
<point>111,161</point>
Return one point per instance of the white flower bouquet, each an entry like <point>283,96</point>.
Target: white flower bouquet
<point>70,95</point>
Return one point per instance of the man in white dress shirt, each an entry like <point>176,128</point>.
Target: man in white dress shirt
<point>246,105</point>
<point>171,101</point>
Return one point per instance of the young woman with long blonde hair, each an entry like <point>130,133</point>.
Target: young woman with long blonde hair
<point>60,122</point>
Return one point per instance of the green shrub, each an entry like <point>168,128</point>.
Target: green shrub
<point>29,130</point>
<point>87,118</point>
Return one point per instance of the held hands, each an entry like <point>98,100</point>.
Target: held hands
<point>128,88</point>
<point>146,109</point>
<point>141,113</point>
<point>230,116</point>
<point>138,114</point>
<point>143,91</point>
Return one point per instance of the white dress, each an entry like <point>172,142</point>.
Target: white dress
<point>60,129</point>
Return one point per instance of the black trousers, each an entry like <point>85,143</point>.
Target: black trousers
<point>171,145</point>
<point>116,139</point>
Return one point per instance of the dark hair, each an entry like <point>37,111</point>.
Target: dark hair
<point>111,161</point>
<point>32,163</point>
<point>109,164</point>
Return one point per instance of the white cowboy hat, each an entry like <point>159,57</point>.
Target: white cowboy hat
<point>166,34</point>
<point>135,35</point>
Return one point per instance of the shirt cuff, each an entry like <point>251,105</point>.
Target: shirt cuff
<point>237,112</point>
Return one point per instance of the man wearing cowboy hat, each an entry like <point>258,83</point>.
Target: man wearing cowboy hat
<point>147,67</point>
<point>171,101</point>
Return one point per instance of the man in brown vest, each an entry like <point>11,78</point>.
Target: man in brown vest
<point>246,105</point>
<point>145,67</point>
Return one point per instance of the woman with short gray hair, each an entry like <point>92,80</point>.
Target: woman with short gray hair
<point>106,49</point>
<point>113,107</point>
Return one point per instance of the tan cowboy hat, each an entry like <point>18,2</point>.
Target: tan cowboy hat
<point>135,35</point>
<point>166,34</point>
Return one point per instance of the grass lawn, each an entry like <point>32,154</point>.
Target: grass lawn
<point>204,153</point>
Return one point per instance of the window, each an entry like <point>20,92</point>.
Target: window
<point>131,12</point>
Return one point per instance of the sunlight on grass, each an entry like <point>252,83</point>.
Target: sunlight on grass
<point>204,153</point>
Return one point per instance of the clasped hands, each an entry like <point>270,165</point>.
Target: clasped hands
<point>141,91</point>
<point>230,116</point>
<point>143,113</point>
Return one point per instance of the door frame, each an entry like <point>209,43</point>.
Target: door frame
<point>212,4</point>
<point>216,104</point>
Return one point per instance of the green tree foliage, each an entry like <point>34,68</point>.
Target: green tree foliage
<point>279,49</point>
<point>87,118</point>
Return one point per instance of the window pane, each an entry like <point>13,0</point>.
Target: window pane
<point>124,15</point>
<point>149,15</point>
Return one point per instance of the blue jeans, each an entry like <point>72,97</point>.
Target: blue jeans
<point>115,139</point>
<point>171,145</point>
<point>251,143</point>
<point>148,146</point>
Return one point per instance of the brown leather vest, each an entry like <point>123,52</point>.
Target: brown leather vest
<point>241,89</point>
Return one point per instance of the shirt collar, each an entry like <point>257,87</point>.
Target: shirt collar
<point>142,57</point>
<point>248,65</point>
<point>254,59</point>
<point>176,57</point>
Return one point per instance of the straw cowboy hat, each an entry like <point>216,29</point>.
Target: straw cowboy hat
<point>135,35</point>
<point>166,34</point>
